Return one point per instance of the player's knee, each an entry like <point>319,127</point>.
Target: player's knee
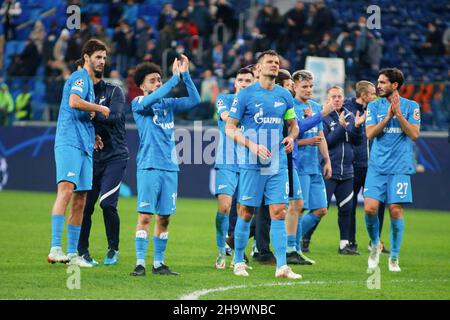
<point>224,207</point>
<point>370,209</point>
<point>245,213</point>
<point>321,212</point>
<point>163,221</point>
<point>65,192</point>
<point>144,221</point>
<point>278,213</point>
<point>396,211</point>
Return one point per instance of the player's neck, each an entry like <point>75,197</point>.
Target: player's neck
<point>392,95</point>
<point>301,100</point>
<point>90,72</point>
<point>267,82</point>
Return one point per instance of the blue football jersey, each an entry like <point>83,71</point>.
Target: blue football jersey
<point>154,117</point>
<point>74,127</point>
<point>261,113</point>
<point>306,158</point>
<point>392,150</point>
<point>226,156</point>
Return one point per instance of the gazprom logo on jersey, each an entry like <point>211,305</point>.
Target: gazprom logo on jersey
<point>393,130</point>
<point>260,119</point>
<point>164,125</point>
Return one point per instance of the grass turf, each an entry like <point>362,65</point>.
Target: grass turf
<point>25,273</point>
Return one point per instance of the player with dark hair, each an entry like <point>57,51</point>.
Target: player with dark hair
<point>226,165</point>
<point>261,109</point>
<point>74,144</point>
<point>393,123</point>
<point>365,93</point>
<point>157,165</point>
<point>110,162</point>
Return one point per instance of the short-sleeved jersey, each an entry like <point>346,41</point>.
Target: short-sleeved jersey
<point>226,156</point>
<point>74,127</point>
<point>392,150</point>
<point>261,114</point>
<point>154,117</point>
<point>306,158</point>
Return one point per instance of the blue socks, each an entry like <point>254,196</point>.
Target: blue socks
<point>241,233</point>
<point>278,239</point>
<point>73,235</point>
<point>299,234</point>
<point>309,220</point>
<point>57,229</point>
<point>160,244</point>
<point>397,227</point>
<point>291,243</point>
<point>141,244</point>
<point>221,231</point>
<point>373,228</point>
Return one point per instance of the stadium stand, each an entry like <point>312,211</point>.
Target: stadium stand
<point>410,37</point>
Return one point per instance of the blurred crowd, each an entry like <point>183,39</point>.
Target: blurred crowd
<point>209,33</point>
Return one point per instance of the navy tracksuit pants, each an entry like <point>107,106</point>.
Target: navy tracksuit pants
<point>106,182</point>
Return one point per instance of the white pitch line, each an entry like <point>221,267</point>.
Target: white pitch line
<point>195,295</point>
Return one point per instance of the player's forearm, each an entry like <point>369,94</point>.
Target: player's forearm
<point>160,93</point>
<point>193,98</point>
<point>236,134</point>
<point>323,148</point>
<point>293,130</point>
<point>308,123</point>
<point>77,103</point>
<point>409,129</point>
<point>375,130</point>
<point>304,142</point>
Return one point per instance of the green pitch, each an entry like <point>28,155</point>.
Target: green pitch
<point>25,273</point>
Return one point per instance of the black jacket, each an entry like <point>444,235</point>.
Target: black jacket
<point>361,151</point>
<point>111,130</point>
<point>340,143</point>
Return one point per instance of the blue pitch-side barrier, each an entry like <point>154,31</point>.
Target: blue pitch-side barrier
<point>27,163</point>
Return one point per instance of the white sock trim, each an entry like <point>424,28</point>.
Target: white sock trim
<point>141,234</point>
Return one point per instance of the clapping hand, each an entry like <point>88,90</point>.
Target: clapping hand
<point>175,67</point>
<point>183,64</point>
<point>342,121</point>
<point>360,119</point>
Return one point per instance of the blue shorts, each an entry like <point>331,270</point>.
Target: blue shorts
<point>157,191</point>
<point>75,166</point>
<point>226,182</point>
<point>253,187</point>
<point>314,191</point>
<point>388,188</point>
<point>297,192</point>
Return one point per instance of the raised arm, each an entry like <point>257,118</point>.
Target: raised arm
<point>193,98</point>
<point>154,97</point>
